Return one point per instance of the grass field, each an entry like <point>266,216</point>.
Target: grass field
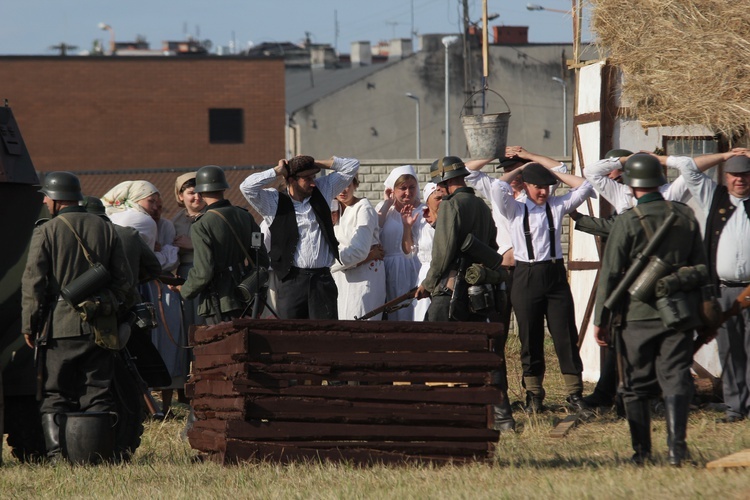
<point>591,462</point>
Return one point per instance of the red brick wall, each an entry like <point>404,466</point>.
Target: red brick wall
<point>85,113</point>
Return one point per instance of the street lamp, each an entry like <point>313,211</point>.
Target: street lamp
<point>107,27</point>
<point>533,6</point>
<point>419,141</point>
<point>565,113</point>
<point>447,41</point>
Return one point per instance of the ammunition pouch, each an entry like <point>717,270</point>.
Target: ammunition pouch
<point>478,274</point>
<point>680,298</point>
<point>100,312</point>
<point>143,316</point>
<point>482,298</point>
<point>644,286</point>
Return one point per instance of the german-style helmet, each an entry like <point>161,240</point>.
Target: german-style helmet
<point>447,167</point>
<point>62,186</point>
<point>210,178</point>
<point>644,171</point>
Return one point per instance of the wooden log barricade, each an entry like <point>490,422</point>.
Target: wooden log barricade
<point>357,391</point>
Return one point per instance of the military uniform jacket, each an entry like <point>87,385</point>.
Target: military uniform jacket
<point>55,259</point>
<point>144,265</point>
<point>460,214</point>
<point>681,247</point>
<point>218,258</point>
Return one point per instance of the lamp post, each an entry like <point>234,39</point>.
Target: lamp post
<point>533,6</point>
<point>448,41</point>
<point>565,113</point>
<point>419,140</point>
<point>107,27</point>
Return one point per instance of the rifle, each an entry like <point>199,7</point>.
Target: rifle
<point>640,262</point>
<point>41,330</point>
<point>142,385</point>
<point>168,279</point>
<point>741,302</point>
<point>460,288</point>
<point>390,306</point>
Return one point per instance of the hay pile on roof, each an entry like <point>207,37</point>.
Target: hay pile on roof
<point>684,61</point>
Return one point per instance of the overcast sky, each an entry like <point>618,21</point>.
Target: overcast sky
<point>33,26</point>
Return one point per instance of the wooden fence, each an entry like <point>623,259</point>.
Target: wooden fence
<point>364,392</point>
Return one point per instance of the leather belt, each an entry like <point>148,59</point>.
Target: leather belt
<point>734,284</point>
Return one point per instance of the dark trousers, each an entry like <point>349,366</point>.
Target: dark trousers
<point>651,352</point>
<point>541,290</point>
<point>734,353</point>
<point>78,376</point>
<point>307,294</point>
<point>440,306</point>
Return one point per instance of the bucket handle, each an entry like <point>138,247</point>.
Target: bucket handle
<point>477,92</point>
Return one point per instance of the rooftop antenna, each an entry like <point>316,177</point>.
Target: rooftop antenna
<point>336,30</point>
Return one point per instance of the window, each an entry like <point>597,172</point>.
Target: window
<point>690,145</point>
<point>226,126</point>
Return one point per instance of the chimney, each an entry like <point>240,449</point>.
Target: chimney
<point>361,54</point>
<point>399,48</point>
<point>511,35</point>
<point>322,56</point>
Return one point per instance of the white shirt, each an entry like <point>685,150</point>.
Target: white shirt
<point>513,210</point>
<point>619,195</point>
<point>312,250</point>
<point>483,183</point>
<point>733,252</point>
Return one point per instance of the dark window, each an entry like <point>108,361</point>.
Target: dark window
<point>226,126</point>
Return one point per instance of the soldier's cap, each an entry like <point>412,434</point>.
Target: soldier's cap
<point>534,173</point>
<point>737,165</point>
<point>302,166</point>
<point>94,205</point>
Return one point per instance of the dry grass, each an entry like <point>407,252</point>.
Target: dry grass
<point>684,61</point>
<point>591,462</point>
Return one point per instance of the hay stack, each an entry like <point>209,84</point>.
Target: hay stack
<point>684,61</point>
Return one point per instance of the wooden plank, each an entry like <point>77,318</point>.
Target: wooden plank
<point>394,393</point>
<point>258,430</point>
<point>422,361</point>
<point>231,344</point>
<point>238,450</point>
<point>214,361</point>
<point>307,325</point>
<point>214,388</point>
<point>218,404</point>
<point>739,459</point>
<point>562,428</point>
<point>327,410</point>
<point>206,440</point>
<point>377,377</point>
<point>224,372</point>
<point>205,334</point>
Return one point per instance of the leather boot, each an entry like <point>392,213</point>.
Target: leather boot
<point>51,437</point>
<point>502,417</point>
<point>639,420</point>
<point>677,417</point>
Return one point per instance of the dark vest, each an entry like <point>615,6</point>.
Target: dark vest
<point>718,215</point>
<point>285,233</point>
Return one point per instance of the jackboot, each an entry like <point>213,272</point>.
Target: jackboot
<point>51,437</point>
<point>502,417</point>
<point>639,419</point>
<point>677,417</point>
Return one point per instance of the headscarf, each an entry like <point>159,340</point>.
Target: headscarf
<point>140,221</point>
<point>397,172</point>
<point>126,195</point>
<point>178,185</point>
<point>429,188</point>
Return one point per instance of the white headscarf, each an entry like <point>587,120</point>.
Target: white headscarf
<point>140,221</point>
<point>126,195</point>
<point>429,188</point>
<point>397,172</point>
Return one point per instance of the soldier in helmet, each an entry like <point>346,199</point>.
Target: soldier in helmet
<point>78,373</point>
<point>540,283</point>
<point>650,351</point>
<point>303,242</point>
<point>461,214</point>
<point>222,241</point>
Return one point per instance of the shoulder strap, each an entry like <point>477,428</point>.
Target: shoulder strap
<point>236,236</point>
<point>642,219</point>
<point>85,252</point>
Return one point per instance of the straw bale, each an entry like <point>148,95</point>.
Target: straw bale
<point>684,62</point>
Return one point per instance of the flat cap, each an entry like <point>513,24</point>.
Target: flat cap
<point>534,173</point>
<point>737,165</point>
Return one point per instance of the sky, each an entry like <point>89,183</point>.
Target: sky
<point>32,27</point>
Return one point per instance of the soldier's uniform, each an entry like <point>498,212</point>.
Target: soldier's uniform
<point>78,373</point>
<point>649,350</point>
<point>218,258</point>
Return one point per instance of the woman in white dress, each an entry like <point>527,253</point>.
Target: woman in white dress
<point>360,277</point>
<point>398,215</point>
<point>432,197</point>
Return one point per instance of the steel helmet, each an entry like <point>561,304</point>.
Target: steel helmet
<point>62,186</point>
<point>617,153</point>
<point>210,178</point>
<point>94,205</point>
<point>448,167</point>
<point>644,171</point>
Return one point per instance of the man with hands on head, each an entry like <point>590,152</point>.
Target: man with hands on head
<point>303,243</point>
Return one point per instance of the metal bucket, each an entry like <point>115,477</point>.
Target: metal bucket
<point>87,438</point>
<point>486,134</point>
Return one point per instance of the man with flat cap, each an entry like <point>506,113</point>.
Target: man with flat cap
<point>540,283</point>
<point>303,243</point>
<point>727,246</point>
